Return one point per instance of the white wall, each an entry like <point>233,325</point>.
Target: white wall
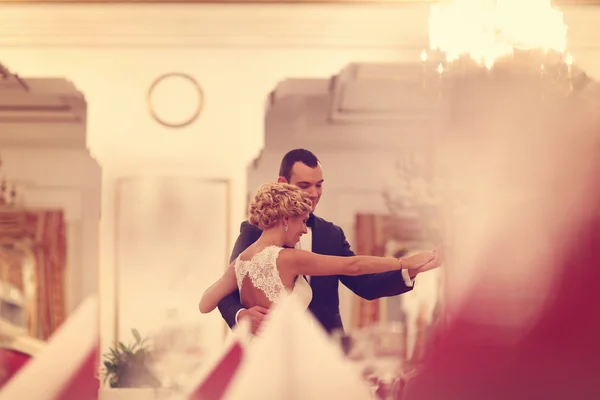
<point>171,243</point>
<point>237,53</point>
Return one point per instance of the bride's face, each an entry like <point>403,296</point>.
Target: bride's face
<point>296,228</point>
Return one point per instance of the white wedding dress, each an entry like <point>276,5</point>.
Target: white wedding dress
<point>264,275</point>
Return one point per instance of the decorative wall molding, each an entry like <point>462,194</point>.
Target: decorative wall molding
<point>27,105</point>
<point>211,25</point>
<point>238,25</point>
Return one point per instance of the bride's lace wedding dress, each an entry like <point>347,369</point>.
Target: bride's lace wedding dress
<point>264,275</point>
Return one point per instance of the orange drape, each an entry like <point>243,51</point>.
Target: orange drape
<point>50,247</point>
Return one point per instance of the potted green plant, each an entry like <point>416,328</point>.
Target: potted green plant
<point>125,370</point>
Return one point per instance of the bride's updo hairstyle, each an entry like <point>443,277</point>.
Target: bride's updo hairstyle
<point>276,200</point>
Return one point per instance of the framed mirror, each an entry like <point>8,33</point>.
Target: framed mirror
<point>18,285</point>
<point>32,270</point>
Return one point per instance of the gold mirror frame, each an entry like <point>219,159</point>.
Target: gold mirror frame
<point>30,301</point>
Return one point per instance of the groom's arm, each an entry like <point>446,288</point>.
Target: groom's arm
<point>230,305</point>
<point>373,286</point>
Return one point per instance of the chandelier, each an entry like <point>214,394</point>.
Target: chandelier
<point>417,192</point>
<point>486,39</point>
<point>415,187</point>
<point>469,36</point>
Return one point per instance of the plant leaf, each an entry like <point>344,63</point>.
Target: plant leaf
<point>136,335</point>
<point>122,359</point>
<point>123,347</point>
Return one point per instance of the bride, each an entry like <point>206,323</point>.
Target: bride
<point>271,268</point>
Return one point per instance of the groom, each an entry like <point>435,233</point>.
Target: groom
<point>301,168</point>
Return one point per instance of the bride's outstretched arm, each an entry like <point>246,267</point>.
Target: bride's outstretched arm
<point>307,263</point>
<point>221,288</point>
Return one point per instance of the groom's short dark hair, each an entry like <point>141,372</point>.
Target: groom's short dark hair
<point>304,156</point>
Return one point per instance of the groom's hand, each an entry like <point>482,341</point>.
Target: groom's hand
<point>256,315</point>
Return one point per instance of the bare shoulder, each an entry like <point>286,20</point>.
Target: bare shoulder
<point>294,259</point>
<point>286,257</point>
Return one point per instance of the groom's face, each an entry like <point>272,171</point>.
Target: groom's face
<point>309,180</point>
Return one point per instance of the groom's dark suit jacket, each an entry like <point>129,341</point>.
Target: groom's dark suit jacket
<point>327,239</point>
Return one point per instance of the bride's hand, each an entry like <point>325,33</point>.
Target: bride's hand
<point>436,262</point>
<point>418,260</point>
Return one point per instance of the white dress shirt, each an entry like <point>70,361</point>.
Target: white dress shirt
<point>305,243</point>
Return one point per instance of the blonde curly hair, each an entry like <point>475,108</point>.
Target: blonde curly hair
<point>274,201</point>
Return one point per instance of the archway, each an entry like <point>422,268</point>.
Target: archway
<point>50,201</point>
